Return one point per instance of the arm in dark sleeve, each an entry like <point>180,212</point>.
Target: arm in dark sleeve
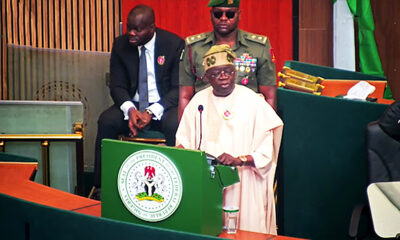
<point>186,82</point>
<point>119,78</point>
<point>171,98</point>
<point>267,76</point>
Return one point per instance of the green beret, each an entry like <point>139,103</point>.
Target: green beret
<point>224,3</point>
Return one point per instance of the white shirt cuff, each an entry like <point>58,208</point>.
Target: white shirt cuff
<point>157,110</point>
<point>125,108</point>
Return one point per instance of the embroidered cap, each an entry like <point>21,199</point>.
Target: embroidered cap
<point>218,55</point>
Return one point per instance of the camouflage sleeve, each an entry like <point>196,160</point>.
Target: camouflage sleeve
<point>186,77</point>
<point>266,75</point>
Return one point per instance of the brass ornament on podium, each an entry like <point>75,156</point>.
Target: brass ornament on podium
<point>300,81</point>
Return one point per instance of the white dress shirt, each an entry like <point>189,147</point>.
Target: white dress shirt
<point>156,108</point>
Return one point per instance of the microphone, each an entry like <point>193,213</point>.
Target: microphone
<point>211,160</point>
<point>200,108</point>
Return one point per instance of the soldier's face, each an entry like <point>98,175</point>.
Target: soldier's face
<point>140,29</point>
<point>225,19</point>
<point>222,79</point>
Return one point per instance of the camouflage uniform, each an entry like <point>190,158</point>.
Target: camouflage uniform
<point>248,45</point>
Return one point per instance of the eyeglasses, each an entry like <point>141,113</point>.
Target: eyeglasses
<point>228,14</point>
<point>217,74</point>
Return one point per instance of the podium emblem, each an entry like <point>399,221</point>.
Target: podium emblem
<point>149,185</point>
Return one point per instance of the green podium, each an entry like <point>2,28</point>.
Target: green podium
<point>163,187</point>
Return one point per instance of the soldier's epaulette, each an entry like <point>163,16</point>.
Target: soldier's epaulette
<point>195,38</point>
<point>257,38</point>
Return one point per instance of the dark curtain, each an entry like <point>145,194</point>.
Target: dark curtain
<point>272,18</point>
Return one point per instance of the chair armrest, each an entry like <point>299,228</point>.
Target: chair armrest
<point>355,219</point>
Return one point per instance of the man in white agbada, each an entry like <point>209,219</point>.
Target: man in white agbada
<point>242,129</point>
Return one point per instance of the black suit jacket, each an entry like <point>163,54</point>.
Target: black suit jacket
<point>124,68</point>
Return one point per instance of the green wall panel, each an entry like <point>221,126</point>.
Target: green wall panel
<point>322,167</point>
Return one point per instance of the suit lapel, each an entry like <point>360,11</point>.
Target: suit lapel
<point>159,56</point>
<point>132,62</point>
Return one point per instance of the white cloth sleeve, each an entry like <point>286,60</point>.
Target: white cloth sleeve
<point>125,108</point>
<point>263,154</point>
<point>157,110</point>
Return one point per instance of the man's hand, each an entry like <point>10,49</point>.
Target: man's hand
<point>144,120</point>
<point>227,159</point>
<point>138,120</point>
<point>134,118</point>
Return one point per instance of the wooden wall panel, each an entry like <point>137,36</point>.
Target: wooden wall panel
<point>315,32</point>
<point>62,24</point>
<point>3,50</point>
<point>14,11</point>
<point>92,25</point>
<point>75,28</point>
<point>69,13</point>
<point>63,29</point>
<point>387,37</point>
<point>81,25</point>
<point>98,26</point>
<point>27,20</point>
<point>87,26</point>
<point>20,22</point>
<point>52,14</point>
<point>45,26</point>
<point>110,23</point>
<point>39,25</point>
<point>117,12</point>
<point>104,24</point>
<point>33,22</point>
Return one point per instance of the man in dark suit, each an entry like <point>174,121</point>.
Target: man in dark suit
<point>144,87</point>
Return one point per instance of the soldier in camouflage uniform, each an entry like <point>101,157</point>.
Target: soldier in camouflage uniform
<point>255,65</point>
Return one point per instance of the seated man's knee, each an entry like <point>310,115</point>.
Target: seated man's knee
<point>105,119</point>
<point>170,125</point>
<point>170,120</point>
<point>112,122</point>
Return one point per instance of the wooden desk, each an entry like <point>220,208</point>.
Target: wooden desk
<point>17,171</point>
<point>14,181</point>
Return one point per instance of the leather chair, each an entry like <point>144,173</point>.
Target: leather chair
<point>383,145</point>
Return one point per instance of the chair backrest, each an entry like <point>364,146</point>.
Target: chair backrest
<point>390,120</point>
<point>383,144</point>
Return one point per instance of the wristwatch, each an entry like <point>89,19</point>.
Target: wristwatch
<point>149,112</point>
<point>243,159</point>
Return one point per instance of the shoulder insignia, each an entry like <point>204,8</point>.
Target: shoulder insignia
<point>257,38</point>
<point>195,38</point>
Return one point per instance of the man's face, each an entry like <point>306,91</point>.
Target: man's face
<point>140,29</point>
<point>225,19</point>
<point>222,79</point>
